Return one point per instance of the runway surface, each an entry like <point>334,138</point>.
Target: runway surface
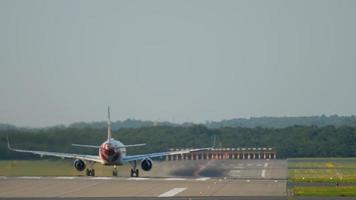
<point>140,187</point>
<point>242,179</point>
<point>234,169</point>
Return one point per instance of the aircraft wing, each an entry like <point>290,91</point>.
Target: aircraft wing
<point>57,154</point>
<point>153,155</point>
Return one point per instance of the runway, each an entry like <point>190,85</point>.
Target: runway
<point>234,169</point>
<point>139,187</point>
<point>241,179</point>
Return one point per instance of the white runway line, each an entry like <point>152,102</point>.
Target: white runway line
<point>172,192</point>
<point>175,179</point>
<point>266,165</point>
<point>263,174</point>
<point>138,179</point>
<point>102,178</point>
<point>29,177</point>
<point>202,179</point>
<point>65,177</point>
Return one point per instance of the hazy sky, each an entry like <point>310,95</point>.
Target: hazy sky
<point>194,60</point>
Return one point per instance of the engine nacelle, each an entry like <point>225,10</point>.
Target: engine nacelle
<point>79,165</point>
<point>146,164</point>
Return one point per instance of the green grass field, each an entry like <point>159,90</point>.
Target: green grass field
<point>51,168</point>
<point>325,191</point>
<point>322,170</point>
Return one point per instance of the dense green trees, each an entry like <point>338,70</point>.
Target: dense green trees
<point>253,122</point>
<point>295,141</point>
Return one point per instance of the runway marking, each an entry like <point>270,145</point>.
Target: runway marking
<point>172,192</point>
<point>259,165</point>
<point>202,179</point>
<point>65,177</point>
<point>138,179</point>
<point>249,165</point>
<point>263,174</point>
<point>3,177</point>
<point>29,177</point>
<point>248,181</point>
<point>102,178</point>
<point>175,179</point>
<point>266,164</point>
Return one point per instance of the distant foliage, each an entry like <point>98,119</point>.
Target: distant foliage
<point>6,126</point>
<point>283,122</point>
<point>294,141</point>
<point>266,122</point>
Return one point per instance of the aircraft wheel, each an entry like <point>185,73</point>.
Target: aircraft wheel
<point>134,173</point>
<point>90,172</point>
<point>87,172</point>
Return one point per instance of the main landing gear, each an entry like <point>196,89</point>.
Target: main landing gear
<point>134,173</point>
<point>90,172</point>
<point>134,170</point>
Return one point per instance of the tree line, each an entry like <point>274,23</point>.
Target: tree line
<point>294,141</point>
<point>253,122</point>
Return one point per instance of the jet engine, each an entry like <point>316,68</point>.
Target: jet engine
<point>146,164</point>
<point>79,165</point>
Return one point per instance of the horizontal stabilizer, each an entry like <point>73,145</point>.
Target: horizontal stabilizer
<point>86,145</point>
<point>97,147</point>
<point>134,145</point>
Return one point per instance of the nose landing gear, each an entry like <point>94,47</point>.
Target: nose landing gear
<point>114,172</point>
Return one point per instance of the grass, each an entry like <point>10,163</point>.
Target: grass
<point>322,170</point>
<point>51,168</point>
<point>322,162</point>
<point>323,175</point>
<point>325,191</point>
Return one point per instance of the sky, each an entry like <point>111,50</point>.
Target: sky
<point>179,61</point>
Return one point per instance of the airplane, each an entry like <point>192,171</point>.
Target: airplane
<point>111,152</point>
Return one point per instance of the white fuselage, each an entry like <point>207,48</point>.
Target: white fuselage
<point>111,152</point>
